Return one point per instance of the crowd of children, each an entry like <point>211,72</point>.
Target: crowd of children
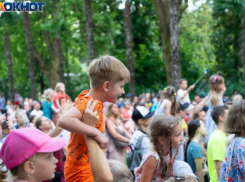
<point>100,138</point>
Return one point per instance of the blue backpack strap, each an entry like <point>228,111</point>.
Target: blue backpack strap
<point>139,141</point>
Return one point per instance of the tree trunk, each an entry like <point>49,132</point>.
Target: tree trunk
<point>129,46</point>
<point>89,27</point>
<point>54,73</point>
<point>243,51</point>
<point>30,48</point>
<point>162,8</point>
<point>60,56</point>
<point>7,51</point>
<point>174,40</point>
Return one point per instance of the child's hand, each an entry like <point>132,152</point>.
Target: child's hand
<point>66,106</point>
<point>90,117</point>
<point>2,118</point>
<point>102,140</point>
<point>191,88</point>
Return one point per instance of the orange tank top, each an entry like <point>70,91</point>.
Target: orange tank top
<point>77,147</point>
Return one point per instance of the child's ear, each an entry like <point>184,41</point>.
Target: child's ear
<point>221,118</point>
<point>198,130</point>
<point>161,140</point>
<point>106,85</point>
<point>29,167</point>
<point>41,127</point>
<point>140,121</point>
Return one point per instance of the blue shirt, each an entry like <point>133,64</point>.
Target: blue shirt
<point>47,110</point>
<point>194,151</point>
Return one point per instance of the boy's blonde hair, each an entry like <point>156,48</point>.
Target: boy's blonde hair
<point>120,172</point>
<point>187,178</point>
<point>107,68</point>
<point>235,122</point>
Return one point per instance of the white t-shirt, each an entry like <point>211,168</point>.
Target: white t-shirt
<point>65,134</point>
<point>36,113</point>
<point>145,145</point>
<point>186,99</point>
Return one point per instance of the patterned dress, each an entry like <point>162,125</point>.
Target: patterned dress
<point>233,166</point>
<point>157,173</point>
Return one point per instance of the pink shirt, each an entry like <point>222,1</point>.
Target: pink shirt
<point>157,173</point>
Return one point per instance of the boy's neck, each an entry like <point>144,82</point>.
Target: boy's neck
<point>220,126</point>
<point>96,94</point>
<point>142,128</point>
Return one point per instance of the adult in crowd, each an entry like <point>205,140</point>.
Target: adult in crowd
<point>115,131</point>
<point>37,110</point>
<point>22,120</point>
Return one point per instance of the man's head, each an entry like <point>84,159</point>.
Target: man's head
<point>110,75</point>
<point>141,116</point>
<point>219,114</point>
<point>181,111</point>
<point>148,96</point>
<point>183,84</point>
<point>197,99</point>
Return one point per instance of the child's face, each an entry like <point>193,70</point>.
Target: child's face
<point>146,122</point>
<point>182,114</point>
<point>62,88</point>
<point>46,124</point>
<point>222,86</point>
<point>183,85</point>
<point>222,118</point>
<point>202,129</point>
<point>177,136</point>
<point>115,91</point>
<point>202,116</point>
<point>44,166</point>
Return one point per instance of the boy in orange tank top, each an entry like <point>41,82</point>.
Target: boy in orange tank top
<point>107,76</point>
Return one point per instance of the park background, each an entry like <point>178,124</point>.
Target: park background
<point>159,41</point>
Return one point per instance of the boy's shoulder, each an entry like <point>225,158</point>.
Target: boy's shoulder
<point>83,98</point>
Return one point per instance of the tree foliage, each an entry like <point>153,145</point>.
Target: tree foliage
<point>210,38</point>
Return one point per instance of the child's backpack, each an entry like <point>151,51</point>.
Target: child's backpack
<point>134,157</point>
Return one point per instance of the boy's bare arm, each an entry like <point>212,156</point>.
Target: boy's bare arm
<point>71,121</point>
<point>99,164</point>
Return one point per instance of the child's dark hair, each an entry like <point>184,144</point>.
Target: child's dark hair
<point>31,117</point>
<point>181,80</point>
<point>235,122</point>
<point>39,122</point>
<point>170,94</point>
<point>192,128</point>
<point>162,125</point>
<point>217,112</point>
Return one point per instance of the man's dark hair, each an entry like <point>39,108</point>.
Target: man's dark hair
<point>217,112</point>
